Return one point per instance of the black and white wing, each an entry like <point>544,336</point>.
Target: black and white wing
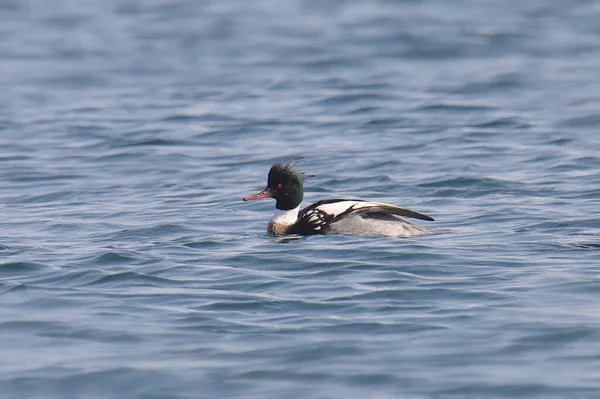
<point>319,217</point>
<point>312,220</point>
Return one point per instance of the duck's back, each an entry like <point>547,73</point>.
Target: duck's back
<point>358,218</point>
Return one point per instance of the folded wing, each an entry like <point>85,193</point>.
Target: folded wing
<point>338,209</point>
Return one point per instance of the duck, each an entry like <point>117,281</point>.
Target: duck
<point>353,217</point>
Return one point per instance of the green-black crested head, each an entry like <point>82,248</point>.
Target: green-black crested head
<point>285,184</point>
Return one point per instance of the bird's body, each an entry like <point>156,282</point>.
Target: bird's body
<point>334,216</point>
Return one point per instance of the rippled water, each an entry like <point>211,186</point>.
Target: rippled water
<point>130,131</point>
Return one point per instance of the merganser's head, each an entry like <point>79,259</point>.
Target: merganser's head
<point>285,185</point>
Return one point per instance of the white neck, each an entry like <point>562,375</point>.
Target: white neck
<point>285,218</point>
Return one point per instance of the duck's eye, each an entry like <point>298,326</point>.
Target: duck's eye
<point>278,187</point>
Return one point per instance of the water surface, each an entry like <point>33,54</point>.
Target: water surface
<point>130,131</point>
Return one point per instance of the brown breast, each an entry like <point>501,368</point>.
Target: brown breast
<point>277,229</point>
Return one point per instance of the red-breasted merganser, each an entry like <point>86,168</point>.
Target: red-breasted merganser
<point>334,216</point>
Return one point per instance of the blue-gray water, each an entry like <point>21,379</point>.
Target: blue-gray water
<point>130,131</point>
